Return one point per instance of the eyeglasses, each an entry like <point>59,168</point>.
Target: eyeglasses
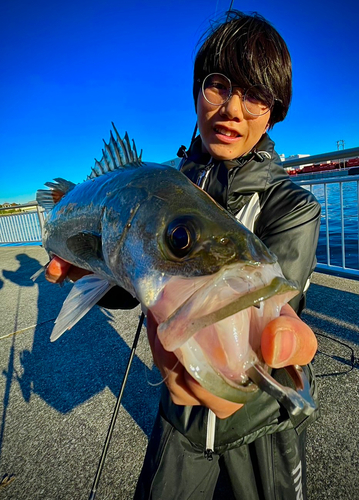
<point>217,89</point>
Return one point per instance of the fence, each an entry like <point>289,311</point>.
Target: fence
<point>22,227</point>
<point>338,248</point>
<point>338,194</point>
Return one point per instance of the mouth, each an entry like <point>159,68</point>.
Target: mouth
<point>216,330</point>
<point>224,296</point>
<point>226,134</point>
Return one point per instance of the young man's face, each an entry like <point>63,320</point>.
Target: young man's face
<point>228,131</point>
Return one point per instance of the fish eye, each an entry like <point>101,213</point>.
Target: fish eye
<point>180,237</point>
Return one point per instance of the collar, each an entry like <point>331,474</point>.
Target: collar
<point>243,176</point>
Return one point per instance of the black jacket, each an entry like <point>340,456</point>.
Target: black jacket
<point>288,223</point>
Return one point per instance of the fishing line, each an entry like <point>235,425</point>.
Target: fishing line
<point>182,150</point>
<point>156,384</point>
<point>332,356</point>
<point>27,328</point>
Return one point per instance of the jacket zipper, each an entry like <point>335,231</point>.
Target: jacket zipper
<point>211,428</point>
<point>202,179</point>
<point>211,419</point>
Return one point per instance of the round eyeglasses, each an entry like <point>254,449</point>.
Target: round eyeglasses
<point>217,89</point>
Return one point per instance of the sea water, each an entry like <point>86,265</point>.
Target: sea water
<point>341,212</point>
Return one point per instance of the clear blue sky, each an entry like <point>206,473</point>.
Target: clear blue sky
<point>69,68</point>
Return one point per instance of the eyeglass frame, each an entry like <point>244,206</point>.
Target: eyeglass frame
<point>243,95</point>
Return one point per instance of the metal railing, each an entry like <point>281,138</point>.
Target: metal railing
<point>23,226</point>
<point>342,154</point>
<point>339,231</point>
<point>338,248</point>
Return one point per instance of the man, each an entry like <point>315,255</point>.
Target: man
<point>242,87</point>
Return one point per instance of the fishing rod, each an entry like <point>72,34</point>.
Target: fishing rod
<point>116,410</point>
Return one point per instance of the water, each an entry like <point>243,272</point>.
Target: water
<point>334,210</point>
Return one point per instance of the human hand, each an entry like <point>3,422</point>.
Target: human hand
<point>286,340</point>
<point>58,270</point>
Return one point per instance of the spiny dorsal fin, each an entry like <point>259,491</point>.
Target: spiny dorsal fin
<point>118,153</point>
<point>47,198</point>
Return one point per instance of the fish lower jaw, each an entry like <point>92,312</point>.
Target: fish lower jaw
<point>237,389</point>
<point>219,348</point>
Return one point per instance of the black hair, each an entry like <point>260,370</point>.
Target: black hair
<point>249,51</point>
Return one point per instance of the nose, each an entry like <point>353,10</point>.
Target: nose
<point>233,108</point>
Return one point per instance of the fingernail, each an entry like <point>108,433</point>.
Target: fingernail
<point>285,346</point>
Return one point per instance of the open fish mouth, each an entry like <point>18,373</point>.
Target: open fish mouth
<point>216,332</point>
<point>231,290</point>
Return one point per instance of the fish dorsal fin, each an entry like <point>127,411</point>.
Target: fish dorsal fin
<point>87,245</point>
<point>48,198</point>
<point>117,153</point>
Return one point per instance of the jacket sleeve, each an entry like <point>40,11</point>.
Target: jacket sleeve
<point>289,226</point>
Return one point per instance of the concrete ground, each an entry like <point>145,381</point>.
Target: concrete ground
<point>57,399</point>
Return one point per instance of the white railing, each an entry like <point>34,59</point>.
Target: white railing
<point>339,198</point>
<point>338,248</point>
<point>338,193</point>
<point>23,226</point>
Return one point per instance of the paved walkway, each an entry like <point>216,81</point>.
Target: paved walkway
<point>56,399</point>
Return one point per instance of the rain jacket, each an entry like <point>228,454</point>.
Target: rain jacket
<point>286,217</point>
<point>255,189</point>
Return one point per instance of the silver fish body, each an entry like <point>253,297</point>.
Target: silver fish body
<point>211,284</point>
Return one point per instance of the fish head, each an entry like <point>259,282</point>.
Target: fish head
<point>162,228</point>
<point>210,283</point>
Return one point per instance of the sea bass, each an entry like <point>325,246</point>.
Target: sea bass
<point>211,284</point>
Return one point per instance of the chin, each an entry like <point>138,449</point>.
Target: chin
<point>223,153</point>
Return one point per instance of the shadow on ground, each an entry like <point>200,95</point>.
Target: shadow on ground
<point>83,362</point>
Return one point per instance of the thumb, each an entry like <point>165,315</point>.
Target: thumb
<point>57,270</point>
<point>287,340</point>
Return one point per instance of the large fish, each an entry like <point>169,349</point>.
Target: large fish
<point>211,284</point>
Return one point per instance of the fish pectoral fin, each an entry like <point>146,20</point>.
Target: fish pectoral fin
<point>85,293</point>
<point>87,245</point>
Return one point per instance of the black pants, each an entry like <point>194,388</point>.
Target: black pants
<point>270,468</point>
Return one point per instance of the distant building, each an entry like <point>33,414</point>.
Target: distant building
<point>295,157</point>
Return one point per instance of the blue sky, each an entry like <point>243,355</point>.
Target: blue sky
<point>70,68</point>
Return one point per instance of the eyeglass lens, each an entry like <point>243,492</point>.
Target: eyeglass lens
<point>217,90</point>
